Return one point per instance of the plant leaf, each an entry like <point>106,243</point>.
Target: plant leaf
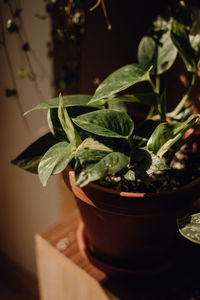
<point>54,123</point>
<point>117,105</point>
<point>29,159</point>
<point>161,105</point>
<point>68,101</point>
<point>90,143</point>
<point>130,175</point>
<point>194,36</point>
<point>145,163</point>
<point>180,37</point>
<point>157,48</point>
<point>109,164</point>
<point>189,227</point>
<point>90,156</point>
<point>108,123</point>
<point>75,111</point>
<point>120,80</point>
<point>55,159</point>
<point>167,134</point>
<point>149,99</point>
<point>67,124</point>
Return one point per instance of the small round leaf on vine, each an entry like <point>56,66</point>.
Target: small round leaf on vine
<point>25,47</point>
<point>11,27</point>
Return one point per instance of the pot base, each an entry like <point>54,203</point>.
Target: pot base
<point>115,271</point>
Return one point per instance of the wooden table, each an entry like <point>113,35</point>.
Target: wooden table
<point>65,275</point>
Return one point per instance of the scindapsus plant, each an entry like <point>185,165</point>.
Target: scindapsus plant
<point>103,144</point>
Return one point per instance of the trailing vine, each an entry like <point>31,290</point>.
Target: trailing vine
<point>68,27</point>
<point>11,27</point>
<point>109,26</point>
<point>68,19</point>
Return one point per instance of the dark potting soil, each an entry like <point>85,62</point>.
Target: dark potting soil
<point>184,169</point>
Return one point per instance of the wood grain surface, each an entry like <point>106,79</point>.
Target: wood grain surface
<point>182,281</point>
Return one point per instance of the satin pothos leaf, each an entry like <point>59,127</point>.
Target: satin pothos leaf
<point>180,37</point>
<point>87,157</point>
<point>144,163</point>
<point>67,124</point>
<point>90,143</point>
<point>149,99</point>
<point>29,159</point>
<point>107,123</point>
<point>68,101</point>
<point>189,227</point>
<point>97,167</point>
<point>157,48</point>
<point>55,160</point>
<point>120,80</point>
<point>168,133</point>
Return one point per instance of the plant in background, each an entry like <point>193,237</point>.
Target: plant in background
<point>101,142</point>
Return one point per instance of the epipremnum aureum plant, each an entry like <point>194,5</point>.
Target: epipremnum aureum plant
<point>95,134</point>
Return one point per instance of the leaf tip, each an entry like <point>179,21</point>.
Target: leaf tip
<point>27,112</point>
<point>43,181</point>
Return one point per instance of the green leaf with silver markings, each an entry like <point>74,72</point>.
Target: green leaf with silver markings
<point>107,123</point>
<point>90,156</point>
<point>180,37</point>
<point>117,105</point>
<point>168,133</point>
<point>90,143</point>
<point>67,124</point>
<point>55,160</point>
<point>157,48</point>
<point>68,101</point>
<point>149,99</point>
<point>29,159</point>
<point>145,163</point>
<point>120,80</point>
<point>189,227</point>
<point>93,170</point>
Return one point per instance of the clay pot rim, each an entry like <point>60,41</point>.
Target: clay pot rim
<point>141,195</point>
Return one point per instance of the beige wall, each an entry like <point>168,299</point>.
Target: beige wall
<point>25,206</point>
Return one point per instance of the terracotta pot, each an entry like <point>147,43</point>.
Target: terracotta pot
<point>131,232</point>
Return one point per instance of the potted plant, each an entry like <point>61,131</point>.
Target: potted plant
<point>131,178</point>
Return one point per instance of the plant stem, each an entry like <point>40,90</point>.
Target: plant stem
<point>152,84</point>
<point>31,74</point>
<point>150,113</point>
<point>155,86</point>
<point>181,104</point>
<point>156,89</point>
<point>104,12</point>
